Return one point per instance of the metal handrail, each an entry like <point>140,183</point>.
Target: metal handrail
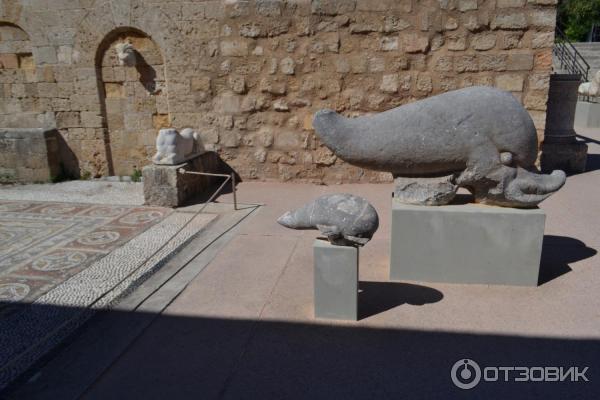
<point>569,56</point>
<point>588,99</point>
<point>570,59</point>
<point>228,177</point>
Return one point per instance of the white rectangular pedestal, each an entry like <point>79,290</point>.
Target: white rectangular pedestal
<point>336,281</point>
<point>468,243</point>
<point>587,115</point>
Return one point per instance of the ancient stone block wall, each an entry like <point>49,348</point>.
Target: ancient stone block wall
<point>250,74</point>
<point>18,90</point>
<point>29,155</point>
<point>134,102</point>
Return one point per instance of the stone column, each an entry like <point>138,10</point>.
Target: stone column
<point>561,149</point>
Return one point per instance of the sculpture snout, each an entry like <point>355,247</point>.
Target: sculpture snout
<point>324,122</point>
<point>287,220</point>
<point>529,188</point>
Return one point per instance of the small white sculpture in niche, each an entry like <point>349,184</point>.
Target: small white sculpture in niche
<point>174,148</point>
<point>126,54</point>
<point>592,88</point>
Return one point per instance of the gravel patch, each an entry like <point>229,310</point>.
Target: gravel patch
<point>94,192</point>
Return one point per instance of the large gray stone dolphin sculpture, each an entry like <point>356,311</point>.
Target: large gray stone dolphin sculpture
<point>345,219</point>
<point>480,138</point>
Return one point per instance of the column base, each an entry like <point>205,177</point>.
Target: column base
<point>569,157</point>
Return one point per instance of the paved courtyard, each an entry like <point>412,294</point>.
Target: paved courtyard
<point>243,326</point>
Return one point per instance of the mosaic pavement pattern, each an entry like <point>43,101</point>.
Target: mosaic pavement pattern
<point>59,262</point>
<point>44,244</point>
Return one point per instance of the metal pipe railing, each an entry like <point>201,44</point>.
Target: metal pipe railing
<point>228,177</point>
<point>568,56</point>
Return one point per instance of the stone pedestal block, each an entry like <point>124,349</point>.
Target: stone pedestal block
<point>569,157</point>
<point>468,243</point>
<point>336,281</point>
<point>164,186</point>
<point>587,115</point>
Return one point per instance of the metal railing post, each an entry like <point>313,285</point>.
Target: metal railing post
<point>228,177</point>
<point>233,189</point>
<point>569,56</point>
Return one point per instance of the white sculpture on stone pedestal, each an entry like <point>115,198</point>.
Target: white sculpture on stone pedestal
<point>174,148</point>
<point>591,88</point>
<point>126,54</point>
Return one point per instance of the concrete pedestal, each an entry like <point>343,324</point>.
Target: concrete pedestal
<point>164,186</point>
<point>467,243</point>
<point>336,281</point>
<point>587,115</point>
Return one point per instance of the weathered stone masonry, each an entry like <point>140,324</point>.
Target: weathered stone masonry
<point>250,74</point>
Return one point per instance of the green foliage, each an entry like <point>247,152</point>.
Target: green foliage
<point>136,176</point>
<point>6,178</point>
<point>576,17</point>
<point>62,175</point>
<point>85,175</point>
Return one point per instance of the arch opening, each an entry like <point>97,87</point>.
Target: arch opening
<point>130,70</point>
<point>19,104</point>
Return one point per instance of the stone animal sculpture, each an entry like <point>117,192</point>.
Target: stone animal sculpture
<point>345,219</point>
<point>479,138</point>
<point>174,148</point>
<point>126,54</point>
<point>591,88</point>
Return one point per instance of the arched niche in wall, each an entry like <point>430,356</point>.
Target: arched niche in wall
<point>18,100</point>
<point>132,86</point>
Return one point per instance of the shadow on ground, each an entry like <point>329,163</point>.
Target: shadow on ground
<point>593,160</point>
<point>557,253</point>
<point>377,297</point>
<point>215,183</point>
<point>180,357</point>
<point>592,163</point>
<point>587,139</point>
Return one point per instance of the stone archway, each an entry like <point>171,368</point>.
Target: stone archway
<point>18,104</point>
<point>133,98</point>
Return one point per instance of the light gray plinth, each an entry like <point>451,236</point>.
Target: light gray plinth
<point>336,281</point>
<point>587,115</point>
<point>468,243</point>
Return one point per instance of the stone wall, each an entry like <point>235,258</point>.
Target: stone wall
<point>134,102</point>
<point>18,92</point>
<point>29,155</point>
<point>250,74</point>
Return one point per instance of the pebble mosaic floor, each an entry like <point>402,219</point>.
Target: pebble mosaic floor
<point>59,262</point>
<point>44,244</point>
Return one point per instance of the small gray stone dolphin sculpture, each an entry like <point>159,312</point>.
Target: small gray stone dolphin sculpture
<point>345,219</point>
<point>479,138</point>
